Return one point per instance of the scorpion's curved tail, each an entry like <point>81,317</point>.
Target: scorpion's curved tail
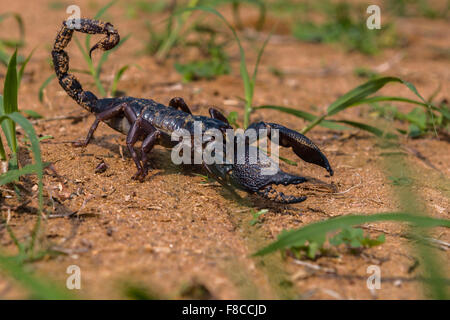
<point>70,84</point>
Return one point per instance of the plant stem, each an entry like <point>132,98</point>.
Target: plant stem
<point>248,110</point>
<point>168,44</point>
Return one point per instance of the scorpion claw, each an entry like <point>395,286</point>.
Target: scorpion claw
<point>301,145</point>
<point>254,178</point>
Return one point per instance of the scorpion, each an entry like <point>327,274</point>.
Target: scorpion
<point>152,123</point>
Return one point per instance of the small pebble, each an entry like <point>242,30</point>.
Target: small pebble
<point>101,167</point>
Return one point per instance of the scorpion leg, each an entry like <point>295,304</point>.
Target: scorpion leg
<point>139,129</point>
<point>147,146</point>
<point>216,114</point>
<point>103,116</point>
<point>178,103</point>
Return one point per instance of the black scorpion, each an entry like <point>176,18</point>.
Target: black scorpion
<point>153,123</point>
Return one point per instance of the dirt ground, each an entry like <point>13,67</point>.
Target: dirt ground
<point>172,231</point>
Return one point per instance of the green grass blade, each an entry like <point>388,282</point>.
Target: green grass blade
<point>105,55</point>
<point>21,41</point>
<point>248,83</point>
<point>15,174</point>
<point>2,148</point>
<point>117,77</point>
<point>32,114</point>
<point>4,56</point>
<point>379,133</point>
<point>37,287</point>
<point>260,53</point>
<point>105,8</point>
<point>359,93</point>
<point>304,115</point>
<point>296,237</point>
<point>427,105</point>
<point>2,151</point>
<point>173,33</point>
<point>39,166</point>
<point>10,102</point>
<point>23,66</point>
<point>44,85</point>
<point>92,69</point>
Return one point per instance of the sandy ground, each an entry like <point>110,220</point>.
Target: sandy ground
<point>173,231</point>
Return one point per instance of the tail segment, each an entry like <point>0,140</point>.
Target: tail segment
<point>68,82</point>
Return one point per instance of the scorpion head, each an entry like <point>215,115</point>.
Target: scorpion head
<point>259,174</point>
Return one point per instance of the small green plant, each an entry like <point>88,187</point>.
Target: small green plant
<point>13,266</point>
<point>37,288</point>
<point>9,105</point>
<point>249,82</point>
<point>217,64</point>
<point>359,96</point>
<point>400,181</point>
<point>161,42</point>
<point>206,179</point>
<point>421,8</point>
<point>362,72</point>
<point>309,248</point>
<point>233,118</point>
<point>318,231</point>
<point>420,121</point>
<point>257,216</point>
<point>311,238</point>
<point>9,117</point>
<point>134,7</point>
<point>315,246</point>
<point>236,5</point>
<point>342,27</point>
<point>355,239</point>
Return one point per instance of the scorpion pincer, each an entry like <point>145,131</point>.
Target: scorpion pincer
<point>153,123</point>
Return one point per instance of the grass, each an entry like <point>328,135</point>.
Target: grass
<point>37,287</point>
<point>161,42</point>
<point>343,28</point>
<point>420,121</point>
<point>309,240</point>
<point>11,43</point>
<point>9,118</point>
<point>418,8</point>
<point>359,96</point>
<point>176,29</point>
<point>353,239</point>
<point>317,232</point>
<point>134,7</point>
<point>215,65</point>
<point>248,81</point>
<point>257,216</point>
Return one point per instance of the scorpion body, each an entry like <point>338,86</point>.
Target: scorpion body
<point>153,123</point>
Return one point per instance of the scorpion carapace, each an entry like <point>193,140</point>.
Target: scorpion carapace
<point>153,123</point>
